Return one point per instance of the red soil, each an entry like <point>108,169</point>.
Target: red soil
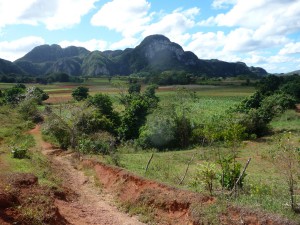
<point>172,205</point>
<point>21,197</point>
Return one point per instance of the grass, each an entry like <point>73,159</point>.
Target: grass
<point>144,212</point>
<point>13,132</point>
<point>265,186</point>
<point>287,121</point>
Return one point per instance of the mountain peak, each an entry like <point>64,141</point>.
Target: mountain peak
<point>155,37</point>
<point>155,53</point>
<point>159,44</point>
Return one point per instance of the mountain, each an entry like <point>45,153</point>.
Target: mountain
<point>7,67</point>
<point>293,72</point>
<point>156,53</point>
<point>47,59</point>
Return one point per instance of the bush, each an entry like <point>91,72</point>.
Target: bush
<point>29,111</point>
<point>104,105</point>
<point>57,129</point>
<point>164,130</point>
<point>292,88</point>
<point>99,143</point>
<point>159,131</point>
<point>15,94</point>
<point>80,93</point>
<point>256,119</point>
<point>19,152</point>
<point>92,121</point>
<point>205,175</point>
<point>134,116</point>
<point>134,88</point>
<point>37,94</point>
<point>230,173</point>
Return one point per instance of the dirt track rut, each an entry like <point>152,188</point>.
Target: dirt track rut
<point>91,206</point>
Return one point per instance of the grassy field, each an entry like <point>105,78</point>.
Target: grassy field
<point>61,92</point>
<point>265,186</point>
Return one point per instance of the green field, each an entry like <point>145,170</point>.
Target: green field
<point>264,188</point>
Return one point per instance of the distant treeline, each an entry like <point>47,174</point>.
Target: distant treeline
<point>171,77</point>
<point>55,77</point>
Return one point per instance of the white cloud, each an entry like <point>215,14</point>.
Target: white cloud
<point>280,59</point>
<point>221,4</point>
<point>206,45</point>
<point>245,40</point>
<point>91,45</point>
<point>210,45</point>
<point>12,50</point>
<point>174,25</point>
<point>9,13</point>
<point>127,17</point>
<point>55,14</point>
<point>240,45</point>
<point>128,42</point>
<point>256,59</point>
<point>266,17</point>
<point>272,63</point>
<point>290,48</point>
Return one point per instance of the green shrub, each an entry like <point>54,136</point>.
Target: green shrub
<point>29,111</point>
<point>59,131</point>
<point>205,175</point>
<point>256,119</point>
<point>159,131</point>
<point>19,152</point>
<point>99,143</point>
<point>230,173</point>
<point>80,93</point>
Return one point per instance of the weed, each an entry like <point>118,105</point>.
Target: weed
<point>209,214</point>
<point>144,212</point>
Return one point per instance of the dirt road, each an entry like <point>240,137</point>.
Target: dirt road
<point>91,205</point>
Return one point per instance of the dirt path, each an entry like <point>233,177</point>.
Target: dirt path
<point>91,206</point>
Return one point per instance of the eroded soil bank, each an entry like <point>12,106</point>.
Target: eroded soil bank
<point>172,205</point>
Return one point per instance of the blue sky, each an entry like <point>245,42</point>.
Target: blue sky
<point>263,33</point>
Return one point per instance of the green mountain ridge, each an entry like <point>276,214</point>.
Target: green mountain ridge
<point>156,53</point>
<point>293,72</point>
<point>7,68</point>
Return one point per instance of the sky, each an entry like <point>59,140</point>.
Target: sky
<point>264,33</point>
